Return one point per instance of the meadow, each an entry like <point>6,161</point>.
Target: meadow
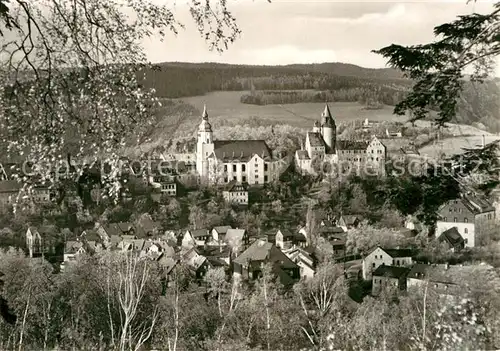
<point>227,105</point>
<point>451,146</point>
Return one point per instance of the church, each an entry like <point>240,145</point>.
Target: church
<point>243,161</point>
<point>322,147</point>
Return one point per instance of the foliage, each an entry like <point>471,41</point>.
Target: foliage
<point>438,67</point>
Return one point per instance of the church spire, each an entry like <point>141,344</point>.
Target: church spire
<point>204,115</point>
<point>326,112</point>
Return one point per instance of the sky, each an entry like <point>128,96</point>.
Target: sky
<point>285,32</point>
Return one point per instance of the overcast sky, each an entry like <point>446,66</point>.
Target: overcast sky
<point>284,32</point>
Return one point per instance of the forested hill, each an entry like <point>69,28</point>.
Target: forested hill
<point>177,79</point>
<point>479,105</point>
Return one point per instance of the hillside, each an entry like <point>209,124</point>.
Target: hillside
<point>339,82</point>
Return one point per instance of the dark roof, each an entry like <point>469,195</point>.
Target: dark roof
<point>451,236</point>
<point>241,150</point>
<point>395,144</point>
<point>261,251</point>
<point>9,186</point>
<point>477,204</point>
<point>351,145</point>
<point>287,235</point>
<point>351,219</point>
<point>315,139</point>
<point>234,186</point>
<point>216,262</point>
<point>396,253</point>
<point>302,155</point>
<point>391,271</point>
<point>91,235</point>
<point>222,229</point>
<point>199,232</point>
<point>327,120</point>
<point>331,230</point>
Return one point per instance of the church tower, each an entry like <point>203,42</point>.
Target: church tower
<point>328,129</point>
<point>204,146</point>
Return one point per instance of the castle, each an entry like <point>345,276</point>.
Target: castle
<point>241,161</point>
<point>322,147</point>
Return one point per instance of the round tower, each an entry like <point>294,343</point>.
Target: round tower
<point>328,129</point>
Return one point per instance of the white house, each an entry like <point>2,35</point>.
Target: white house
<point>304,260</point>
<point>193,238</point>
<point>387,257</point>
<point>236,193</point>
<point>218,237</point>
<point>471,216</point>
<point>389,276</point>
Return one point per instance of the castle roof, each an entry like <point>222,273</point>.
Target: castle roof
<point>351,145</point>
<point>327,120</point>
<point>205,126</point>
<point>315,139</point>
<point>241,150</point>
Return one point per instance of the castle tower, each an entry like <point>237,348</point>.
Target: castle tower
<point>204,146</point>
<point>328,129</point>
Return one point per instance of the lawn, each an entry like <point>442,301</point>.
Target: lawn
<point>227,105</point>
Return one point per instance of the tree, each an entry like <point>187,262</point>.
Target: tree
<point>438,67</point>
<point>438,70</point>
<point>69,68</point>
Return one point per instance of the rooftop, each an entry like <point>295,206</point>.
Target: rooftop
<point>391,271</point>
<point>241,150</point>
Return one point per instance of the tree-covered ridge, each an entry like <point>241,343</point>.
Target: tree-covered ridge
<point>478,102</point>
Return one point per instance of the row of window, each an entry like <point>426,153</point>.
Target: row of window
<point>244,168</point>
<point>455,219</point>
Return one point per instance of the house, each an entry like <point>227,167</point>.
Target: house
<point>197,263</point>
<point>471,215</point>
<point>236,193</point>
<point>105,232</point>
<point>393,132</point>
<point>43,240</point>
<point>248,265</point>
<point>9,189</point>
<point>195,237</point>
<point>453,239</point>
<point>237,240</point>
<point>389,276</point>
<point>285,239</point>
<point>146,227</point>
<point>219,235</point>
<point>72,249</point>
<point>413,224</point>
<point>304,260</point>
<point>450,280</point>
<point>338,243</point>
<point>387,257</point>
<point>347,222</point>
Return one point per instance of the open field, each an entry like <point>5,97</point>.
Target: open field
<point>452,146</point>
<point>227,105</point>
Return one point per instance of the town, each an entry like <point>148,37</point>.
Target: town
<point>235,211</point>
<point>249,176</point>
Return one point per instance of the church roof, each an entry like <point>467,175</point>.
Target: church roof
<point>315,139</point>
<point>241,150</point>
<point>351,145</point>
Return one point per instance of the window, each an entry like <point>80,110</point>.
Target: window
<point>234,168</point>
<point>451,209</point>
<point>244,179</point>
<point>373,265</point>
<point>243,168</point>
<point>265,178</point>
<point>397,263</point>
<point>466,240</point>
<point>225,168</point>
<point>256,176</point>
<point>489,215</point>
<point>234,178</point>
<point>466,230</point>
<point>225,179</point>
